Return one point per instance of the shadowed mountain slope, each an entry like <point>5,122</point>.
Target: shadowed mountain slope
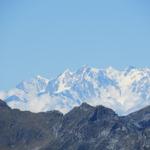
<point>83,128</point>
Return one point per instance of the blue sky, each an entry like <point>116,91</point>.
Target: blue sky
<point>46,37</point>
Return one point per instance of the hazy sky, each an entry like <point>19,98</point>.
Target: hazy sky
<point>46,37</point>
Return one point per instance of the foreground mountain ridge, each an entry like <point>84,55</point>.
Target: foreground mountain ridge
<point>83,128</point>
<point>124,91</point>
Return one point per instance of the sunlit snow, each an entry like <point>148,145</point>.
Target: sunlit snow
<point>124,91</point>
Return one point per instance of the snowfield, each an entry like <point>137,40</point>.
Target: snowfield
<point>124,91</point>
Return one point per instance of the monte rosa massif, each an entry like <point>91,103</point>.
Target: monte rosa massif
<point>124,91</point>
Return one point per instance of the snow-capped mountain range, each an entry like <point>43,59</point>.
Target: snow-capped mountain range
<point>124,91</point>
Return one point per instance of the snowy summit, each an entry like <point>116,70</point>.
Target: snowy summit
<point>124,91</point>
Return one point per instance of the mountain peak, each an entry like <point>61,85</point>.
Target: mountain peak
<point>39,77</point>
<point>85,105</point>
<point>3,104</point>
<point>67,72</point>
<point>104,110</point>
<point>110,68</point>
<point>109,87</point>
<point>129,68</point>
<point>102,113</point>
<point>83,69</point>
<point>36,84</point>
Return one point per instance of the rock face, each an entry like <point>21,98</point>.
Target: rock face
<point>83,128</point>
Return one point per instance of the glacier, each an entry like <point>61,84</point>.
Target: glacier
<point>124,91</point>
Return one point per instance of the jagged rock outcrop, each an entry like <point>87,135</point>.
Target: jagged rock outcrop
<point>83,128</point>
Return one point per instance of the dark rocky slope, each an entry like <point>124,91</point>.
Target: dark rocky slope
<point>83,128</point>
